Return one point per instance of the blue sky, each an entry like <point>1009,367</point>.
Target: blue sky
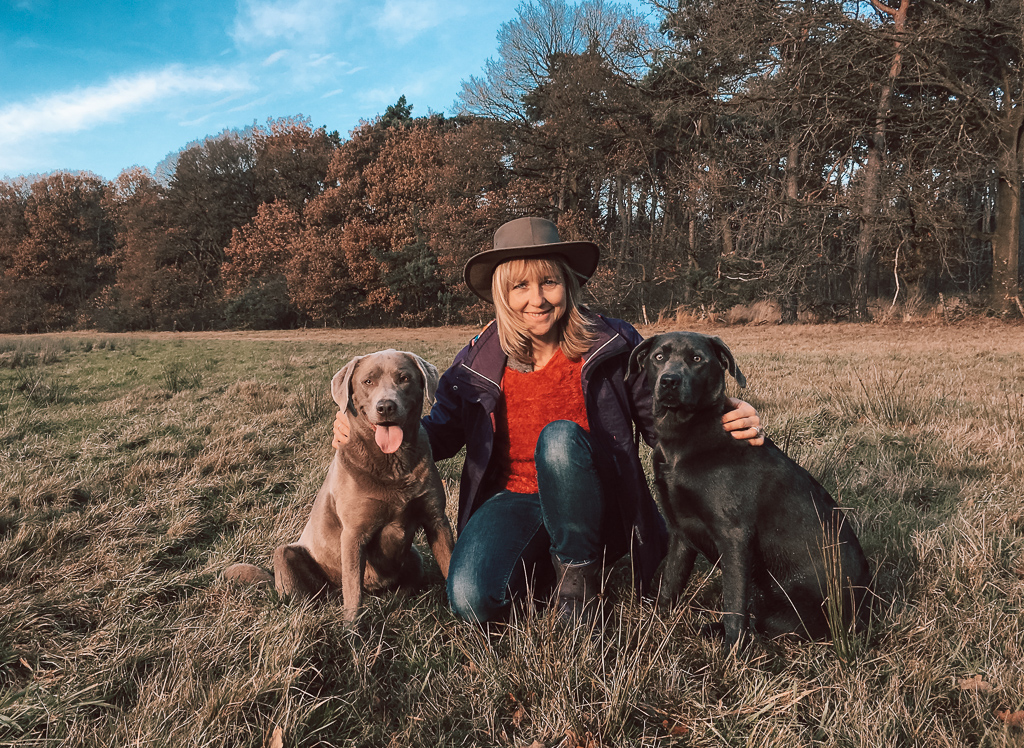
<point>100,86</point>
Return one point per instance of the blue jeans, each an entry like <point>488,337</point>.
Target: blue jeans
<point>508,541</point>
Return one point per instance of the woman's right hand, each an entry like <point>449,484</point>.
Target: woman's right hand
<point>341,430</point>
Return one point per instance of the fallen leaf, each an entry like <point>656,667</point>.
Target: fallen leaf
<point>975,683</point>
<point>572,740</point>
<point>676,729</point>
<point>518,714</point>
<point>276,738</point>
<point>24,663</point>
<point>587,741</point>
<point>1010,719</point>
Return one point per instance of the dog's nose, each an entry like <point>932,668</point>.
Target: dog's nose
<point>387,409</point>
<point>670,381</point>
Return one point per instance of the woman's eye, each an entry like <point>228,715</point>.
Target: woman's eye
<point>550,282</point>
<point>519,285</point>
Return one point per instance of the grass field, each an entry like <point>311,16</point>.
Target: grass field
<point>133,469</point>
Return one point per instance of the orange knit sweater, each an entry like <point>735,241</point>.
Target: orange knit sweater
<point>531,401</point>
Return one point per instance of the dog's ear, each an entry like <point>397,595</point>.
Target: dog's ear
<point>727,360</point>
<point>340,389</point>
<point>430,377</point>
<point>638,357</point>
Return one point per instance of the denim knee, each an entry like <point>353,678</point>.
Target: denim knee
<point>572,495</point>
<point>559,445</point>
<point>471,599</point>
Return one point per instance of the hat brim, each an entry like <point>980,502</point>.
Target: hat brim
<point>581,257</point>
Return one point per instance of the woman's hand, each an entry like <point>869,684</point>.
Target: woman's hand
<point>342,429</point>
<point>743,423</point>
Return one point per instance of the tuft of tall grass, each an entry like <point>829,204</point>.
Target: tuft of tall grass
<point>17,358</point>
<point>42,389</point>
<point>841,608</point>
<point>50,354</point>
<point>314,403</point>
<point>180,375</point>
<point>881,394</point>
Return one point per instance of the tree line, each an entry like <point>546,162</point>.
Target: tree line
<point>816,154</point>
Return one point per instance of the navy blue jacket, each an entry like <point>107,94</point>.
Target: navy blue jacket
<point>463,414</point>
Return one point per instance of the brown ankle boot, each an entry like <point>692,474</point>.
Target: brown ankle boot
<point>577,591</point>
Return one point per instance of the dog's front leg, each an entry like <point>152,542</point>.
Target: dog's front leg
<point>353,562</point>
<point>736,557</point>
<point>436,526</point>
<point>442,542</point>
<point>676,573</point>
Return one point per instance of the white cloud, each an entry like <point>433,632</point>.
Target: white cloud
<point>85,108</point>
<point>302,21</point>
<point>316,61</point>
<point>271,59</point>
<point>378,97</point>
<point>321,23</point>
<point>250,104</point>
<point>197,120</point>
<point>404,20</point>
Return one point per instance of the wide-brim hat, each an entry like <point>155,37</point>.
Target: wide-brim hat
<point>524,238</point>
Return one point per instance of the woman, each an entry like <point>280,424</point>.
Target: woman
<point>552,489</point>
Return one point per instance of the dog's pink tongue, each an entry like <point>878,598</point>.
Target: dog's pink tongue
<point>389,438</point>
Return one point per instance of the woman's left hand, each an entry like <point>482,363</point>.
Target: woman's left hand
<point>743,423</point>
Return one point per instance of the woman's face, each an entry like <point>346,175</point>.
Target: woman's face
<point>540,300</point>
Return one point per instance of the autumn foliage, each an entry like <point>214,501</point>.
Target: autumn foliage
<point>797,157</point>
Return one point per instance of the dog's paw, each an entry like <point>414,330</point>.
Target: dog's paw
<point>712,631</point>
<point>736,642</point>
<point>731,640</point>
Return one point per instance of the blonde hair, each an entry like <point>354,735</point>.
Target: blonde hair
<point>576,331</point>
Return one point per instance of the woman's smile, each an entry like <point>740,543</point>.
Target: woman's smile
<point>537,315</point>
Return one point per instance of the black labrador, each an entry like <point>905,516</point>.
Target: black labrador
<point>786,549</point>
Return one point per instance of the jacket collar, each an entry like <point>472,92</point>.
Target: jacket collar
<point>487,360</point>
<point>608,342</point>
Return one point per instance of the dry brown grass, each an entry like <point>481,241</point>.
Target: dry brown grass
<point>135,468</point>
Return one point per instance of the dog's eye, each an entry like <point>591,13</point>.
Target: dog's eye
<point>659,356</point>
<point>697,359</point>
<point>403,378</point>
<point>367,381</point>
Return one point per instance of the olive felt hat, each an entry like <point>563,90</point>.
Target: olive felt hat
<point>524,238</point>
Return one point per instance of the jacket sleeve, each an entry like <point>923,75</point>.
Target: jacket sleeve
<point>640,396</point>
<point>444,424</point>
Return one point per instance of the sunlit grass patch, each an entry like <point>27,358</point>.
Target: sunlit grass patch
<point>123,497</point>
